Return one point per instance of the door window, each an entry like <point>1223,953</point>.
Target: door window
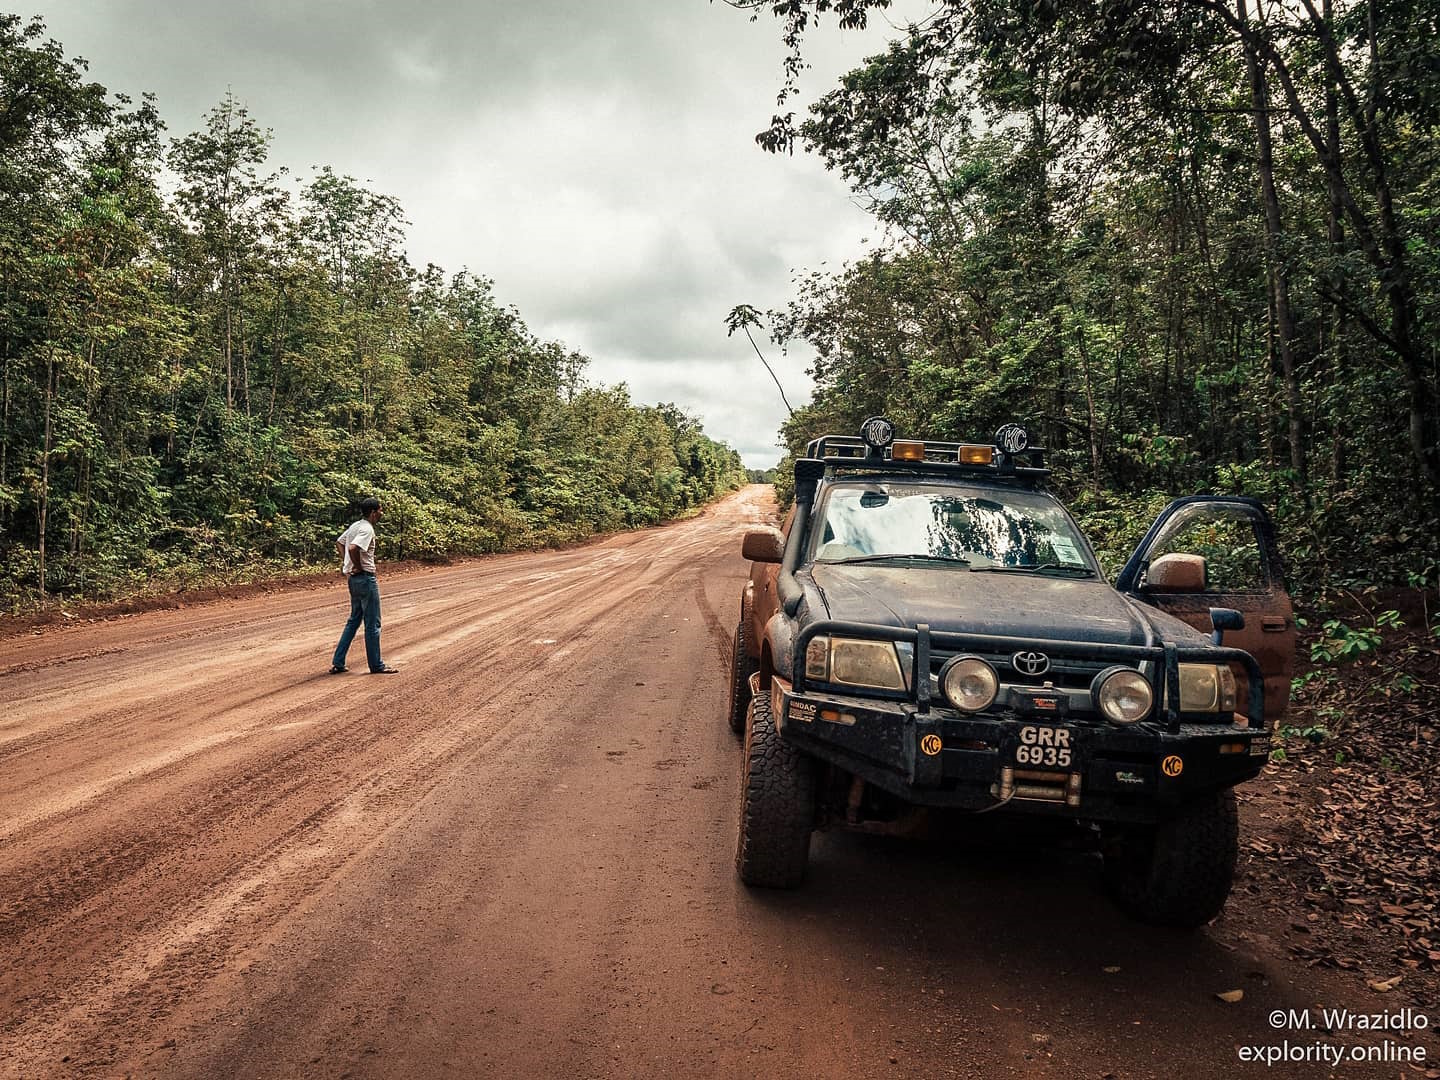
<point>1227,537</point>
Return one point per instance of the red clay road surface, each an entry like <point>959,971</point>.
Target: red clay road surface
<point>514,859</point>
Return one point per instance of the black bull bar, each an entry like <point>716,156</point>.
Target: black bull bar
<point>1167,654</point>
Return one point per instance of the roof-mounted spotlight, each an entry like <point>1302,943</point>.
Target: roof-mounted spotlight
<point>1012,439</point>
<point>877,433</point>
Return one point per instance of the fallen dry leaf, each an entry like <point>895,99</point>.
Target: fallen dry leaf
<point>1230,997</point>
<point>1358,845</point>
<point>1388,984</point>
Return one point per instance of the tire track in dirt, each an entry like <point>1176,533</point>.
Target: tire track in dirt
<point>237,785</point>
<point>260,769</point>
<point>521,818</point>
<point>457,620</point>
<point>719,635</point>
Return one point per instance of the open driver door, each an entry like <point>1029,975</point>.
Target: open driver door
<point>1210,551</point>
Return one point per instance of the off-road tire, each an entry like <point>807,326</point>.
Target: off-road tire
<point>777,805</point>
<point>741,668</point>
<point>1179,872</point>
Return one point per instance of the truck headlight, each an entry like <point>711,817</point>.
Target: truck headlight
<point>1122,694</point>
<point>817,659</point>
<point>1207,688</point>
<point>854,662</point>
<point>969,683</point>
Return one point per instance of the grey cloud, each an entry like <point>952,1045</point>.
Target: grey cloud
<point>595,160</point>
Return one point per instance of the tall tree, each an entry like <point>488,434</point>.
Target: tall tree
<point>231,210</point>
<point>1107,58</point>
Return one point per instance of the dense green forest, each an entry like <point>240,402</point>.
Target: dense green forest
<point>203,366</point>
<point>1194,244</point>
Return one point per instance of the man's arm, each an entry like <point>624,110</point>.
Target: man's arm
<point>353,551</point>
<point>356,553</point>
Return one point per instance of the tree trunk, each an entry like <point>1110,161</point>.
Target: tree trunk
<point>1275,263</point>
<point>1090,410</point>
<point>1335,233</point>
<point>5,420</point>
<point>280,313</point>
<point>1380,239</point>
<point>1267,429</point>
<point>43,510</point>
<point>245,371</point>
<point>80,517</point>
<point>229,365</point>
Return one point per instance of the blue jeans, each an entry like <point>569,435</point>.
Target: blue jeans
<point>364,606</point>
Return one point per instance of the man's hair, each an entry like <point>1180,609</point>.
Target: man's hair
<point>369,505</point>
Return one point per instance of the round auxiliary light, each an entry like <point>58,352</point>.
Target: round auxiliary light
<point>1122,694</point>
<point>1012,439</point>
<point>969,683</point>
<point>877,432</point>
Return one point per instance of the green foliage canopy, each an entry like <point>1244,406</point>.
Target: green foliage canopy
<point>1192,244</point>
<point>202,384</point>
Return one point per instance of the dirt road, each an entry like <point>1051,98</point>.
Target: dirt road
<point>514,859</point>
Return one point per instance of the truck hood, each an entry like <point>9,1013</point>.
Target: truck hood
<point>962,601</point>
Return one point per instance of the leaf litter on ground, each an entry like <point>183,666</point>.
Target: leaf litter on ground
<point>1347,827</point>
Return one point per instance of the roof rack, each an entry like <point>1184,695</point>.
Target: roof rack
<point>932,456</point>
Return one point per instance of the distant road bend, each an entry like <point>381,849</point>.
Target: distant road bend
<point>514,859</point>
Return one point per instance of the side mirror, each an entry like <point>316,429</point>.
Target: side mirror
<point>1176,573</point>
<point>1222,619</point>
<point>765,544</point>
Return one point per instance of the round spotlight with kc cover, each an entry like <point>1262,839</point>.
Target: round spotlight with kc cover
<point>969,683</point>
<point>1012,439</point>
<point>877,432</point>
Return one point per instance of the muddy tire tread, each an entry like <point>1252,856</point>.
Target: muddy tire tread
<point>1184,877</point>
<point>777,805</point>
<point>741,668</point>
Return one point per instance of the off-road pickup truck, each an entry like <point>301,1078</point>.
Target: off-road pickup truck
<point>932,629</point>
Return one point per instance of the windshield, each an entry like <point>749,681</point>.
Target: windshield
<point>982,529</point>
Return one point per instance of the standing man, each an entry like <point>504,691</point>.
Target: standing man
<point>357,550</point>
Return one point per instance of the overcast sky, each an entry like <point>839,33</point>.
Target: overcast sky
<point>595,159</point>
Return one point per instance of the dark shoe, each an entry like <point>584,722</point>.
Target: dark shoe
<point>386,670</point>
<point>338,670</point>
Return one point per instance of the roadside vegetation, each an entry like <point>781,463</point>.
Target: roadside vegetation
<point>1346,851</point>
<point>1193,246</point>
<point>202,364</point>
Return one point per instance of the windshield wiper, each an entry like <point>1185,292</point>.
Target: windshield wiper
<point>1053,567</point>
<point>882,558</point>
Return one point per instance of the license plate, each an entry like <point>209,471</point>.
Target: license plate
<point>1043,746</point>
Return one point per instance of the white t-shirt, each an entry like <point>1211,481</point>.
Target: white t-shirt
<point>362,536</point>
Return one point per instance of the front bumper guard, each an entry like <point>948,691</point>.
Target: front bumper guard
<point>928,753</point>
<point>1166,656</point>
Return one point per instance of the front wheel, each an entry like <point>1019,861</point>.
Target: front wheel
<point>741,668</point>
<point>777,805</point>
<point>1179,872</point>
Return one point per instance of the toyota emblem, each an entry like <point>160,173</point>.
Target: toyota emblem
<point>1031,663</point>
